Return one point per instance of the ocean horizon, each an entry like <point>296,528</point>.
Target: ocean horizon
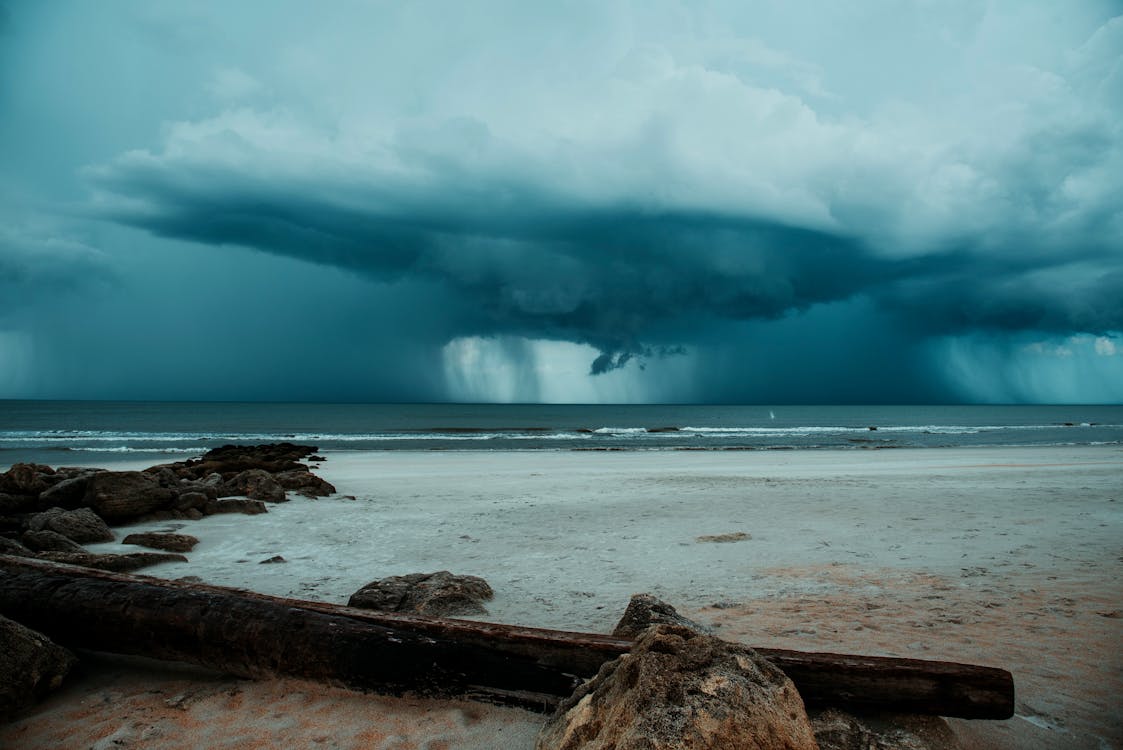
<point>47,431</point>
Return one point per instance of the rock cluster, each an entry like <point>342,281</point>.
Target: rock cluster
<point>49,513</point>
<point>439,594</point>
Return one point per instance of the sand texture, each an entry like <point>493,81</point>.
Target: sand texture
<point>1007,557</point>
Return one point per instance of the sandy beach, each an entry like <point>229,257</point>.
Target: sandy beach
<point>1009,557</point>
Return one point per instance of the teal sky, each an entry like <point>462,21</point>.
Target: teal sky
<point>600,201</point>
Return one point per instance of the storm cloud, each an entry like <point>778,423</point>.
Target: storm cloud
<point>700,180</point>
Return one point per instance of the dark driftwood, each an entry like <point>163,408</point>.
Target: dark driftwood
<point>256,635</point>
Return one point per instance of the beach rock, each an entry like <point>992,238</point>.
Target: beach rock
<point>256,484</point>
<point>30,665</point>
<point>27,479</point>
<point>230,460</point>
<point>437,594</point>
<point>645,610</point>
<point>678,688</point>
<point>123,495</point>
<point>234,505</point>
<point>12,547</point>
<point>305,483</point>
<point>193,499</point>
<point>49,541</point>
<point>166,542</point>
<point>81,525</point>
<point>66,494</point>
<point>837,730</point>
<point>116,563</point>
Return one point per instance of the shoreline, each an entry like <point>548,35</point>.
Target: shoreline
<point>1002,556</point>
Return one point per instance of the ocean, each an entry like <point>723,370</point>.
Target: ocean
<point>74,432</point>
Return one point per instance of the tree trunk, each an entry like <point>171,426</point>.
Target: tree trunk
<point>256,635</point>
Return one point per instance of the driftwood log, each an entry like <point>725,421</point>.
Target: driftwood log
<point>256,635</point>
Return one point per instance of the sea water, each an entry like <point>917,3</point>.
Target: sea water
<point>67,432</point>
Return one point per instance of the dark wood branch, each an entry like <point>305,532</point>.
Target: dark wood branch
<point>256,635</point>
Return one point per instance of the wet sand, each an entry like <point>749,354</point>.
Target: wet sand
<point>1008,557</point>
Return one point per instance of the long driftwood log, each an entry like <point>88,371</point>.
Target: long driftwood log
<point>256,635</point>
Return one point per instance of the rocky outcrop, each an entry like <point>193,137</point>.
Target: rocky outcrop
<point>81,525</point>
<point>166,542</point>
<point>256,484</point>
<point>30,666</point>
<point>676,689</point>
<point>645,610</point>
<point>115,563</point>
<point>123,495</point>
<point>439,594</point>
<point>274,458</point>
<point>305,483</point>
<point>69,492</point>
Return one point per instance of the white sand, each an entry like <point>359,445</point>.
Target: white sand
<point>1010,557</point>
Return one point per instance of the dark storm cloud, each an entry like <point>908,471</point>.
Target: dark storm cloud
<point>539,263</point>
<point>536,266</point>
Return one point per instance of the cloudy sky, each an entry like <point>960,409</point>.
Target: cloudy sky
<point>766,202</point>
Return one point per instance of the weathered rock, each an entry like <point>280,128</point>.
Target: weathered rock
<point>66,494</point>
<point>682,689</point>
<point>27,479</point>
<point>234,505</point>
<point>837,730</point>
<point>230,460</point>
<point>116,563</point>
<point>30,665</point>
<point>645,610</point>
<point>49,541</point>
<point>305,483</point>
<point>167,542</point>
<point>123,495</point>
<point>256,484</point>
<point>81,525</point>
<point>437,594</point>
<point>192,499</point>
<point>12,547</point>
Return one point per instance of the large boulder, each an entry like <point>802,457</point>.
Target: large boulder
<point>67,493</point>
<point>167,542</point>
<point>123,495</point>
<point>30,665</point>
<point>81,525</point>
<point>678,688</point>
<point>437,594</point>
<point>255,484</point>
<point>305,483</point>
